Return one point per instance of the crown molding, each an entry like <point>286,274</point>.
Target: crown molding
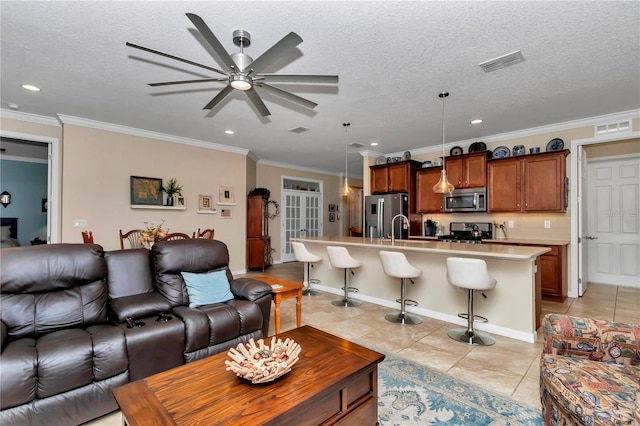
<point>567,125</point>
<point>31,118</point>
<point>84,122</point>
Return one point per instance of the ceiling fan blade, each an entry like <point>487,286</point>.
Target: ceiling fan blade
<point>202,80</point>
<point>289,96</point>
<point>213,41</point>
<point>166,55</point>
<point>283,78</point>
<point>219,97</point>
<point>257,102</point>
<point>287,42</point>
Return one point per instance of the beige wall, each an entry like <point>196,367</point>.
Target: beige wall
<point>270,177</point>
<point>97,166</point>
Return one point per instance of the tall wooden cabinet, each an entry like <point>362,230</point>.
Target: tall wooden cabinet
<point>258,240</point>
<point>428,201</point>
<point>530,183</point>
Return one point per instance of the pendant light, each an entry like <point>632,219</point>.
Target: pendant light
<point>346,190</point>
<point>443,185</point>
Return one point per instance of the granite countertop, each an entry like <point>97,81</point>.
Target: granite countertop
<point>500,251</point>
<point>532,241</point>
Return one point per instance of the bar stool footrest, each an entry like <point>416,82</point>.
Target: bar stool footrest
<point>409,302</point>
<point>475,317</point>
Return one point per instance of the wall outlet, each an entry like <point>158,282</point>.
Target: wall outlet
<point>79,223</point>
<point>547,224</point>
<point>512,224</point>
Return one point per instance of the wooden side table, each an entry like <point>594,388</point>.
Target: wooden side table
<point>284,289</point>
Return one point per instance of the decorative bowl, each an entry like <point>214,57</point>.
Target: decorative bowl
<point>261,363</point>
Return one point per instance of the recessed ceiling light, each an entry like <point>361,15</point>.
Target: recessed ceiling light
<point>229,132</point>
<point>31,87</point>
<point>374,144</point>
<point>476,121</point>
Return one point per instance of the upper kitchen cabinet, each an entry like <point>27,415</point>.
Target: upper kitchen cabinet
<point>467,171</point>
<point>394,177</point>
<point>531,183</point>
<point>428,201</point>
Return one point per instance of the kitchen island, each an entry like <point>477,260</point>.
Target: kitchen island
<point>512,308</point>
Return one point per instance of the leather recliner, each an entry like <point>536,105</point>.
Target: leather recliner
<point>60,357</point>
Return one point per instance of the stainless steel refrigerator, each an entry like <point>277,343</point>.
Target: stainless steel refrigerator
<point>380,211</point>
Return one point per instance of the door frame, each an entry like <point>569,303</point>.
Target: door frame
<point>53,184</point>
<point>576,197</point>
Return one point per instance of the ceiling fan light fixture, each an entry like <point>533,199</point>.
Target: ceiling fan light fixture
<point>240,82</point>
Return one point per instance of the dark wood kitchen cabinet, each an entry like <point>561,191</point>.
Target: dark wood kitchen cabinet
<point>394,177</point>
<point>258,240</point>
<point>428,201</point>
<point>467,171</point>
<point>531,183</point>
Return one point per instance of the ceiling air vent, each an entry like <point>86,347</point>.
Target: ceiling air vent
<point>356,145</point>
<point>502,61</point>
<point>299,129</point>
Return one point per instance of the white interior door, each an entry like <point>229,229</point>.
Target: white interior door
<point>583,270</point>
<point>301,218</point>
<point>613,236</point>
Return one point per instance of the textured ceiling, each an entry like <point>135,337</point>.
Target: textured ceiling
<point>392,57</point>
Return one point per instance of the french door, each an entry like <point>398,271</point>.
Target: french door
<point>301,218</point>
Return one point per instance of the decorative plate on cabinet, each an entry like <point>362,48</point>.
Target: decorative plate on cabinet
<point>518,150</point>
<point>477,147</point>
<point>501,152</point>
<point>556,144</point>
<point>381,160</point>
<point>406,156</point>
<point>456,150</point>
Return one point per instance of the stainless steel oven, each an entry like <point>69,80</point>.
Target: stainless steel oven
<point>465,200</point>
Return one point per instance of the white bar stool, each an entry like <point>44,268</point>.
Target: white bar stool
<point>303,255</point>
<point>395,264</point>
<point>339,257</point>
<point>471,274</point>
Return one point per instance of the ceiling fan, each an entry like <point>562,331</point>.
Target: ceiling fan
<point>242,72</point>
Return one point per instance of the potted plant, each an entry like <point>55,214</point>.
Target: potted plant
<point>172,188</point>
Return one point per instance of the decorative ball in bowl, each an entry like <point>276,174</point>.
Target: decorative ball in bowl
<point>259,362</point>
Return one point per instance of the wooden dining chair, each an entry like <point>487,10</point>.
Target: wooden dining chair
<point>131,237</point>
<point>175,236</point>
<point>87,237</point>
<point>207,234</point>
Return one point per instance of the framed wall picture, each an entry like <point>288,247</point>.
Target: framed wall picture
<point>180,200</point>
<point>205,202</point>
<point>146,191</point>
<point>332,217</point>
<point>226,195</point>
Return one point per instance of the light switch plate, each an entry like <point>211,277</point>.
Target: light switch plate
<point>547,224</point>
<point>512,224</point>
<point>79,223</point>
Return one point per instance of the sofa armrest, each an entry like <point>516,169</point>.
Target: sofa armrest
<point>3,338</point>
<point>138,306</point>
<point>594,339</point>
<point>249,289</point>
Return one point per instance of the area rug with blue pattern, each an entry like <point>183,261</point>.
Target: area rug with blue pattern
<point>412,394</point>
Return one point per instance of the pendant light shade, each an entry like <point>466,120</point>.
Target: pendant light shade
<point>443,186</point>
<point>346,190</point>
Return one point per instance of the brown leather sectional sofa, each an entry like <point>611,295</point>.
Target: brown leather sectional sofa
<point>78,321</point>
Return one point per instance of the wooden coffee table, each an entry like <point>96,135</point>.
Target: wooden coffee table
<point>334,382</point>
<point>284,289</point>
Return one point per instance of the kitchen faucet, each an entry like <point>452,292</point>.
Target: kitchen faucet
<point>393,228</point>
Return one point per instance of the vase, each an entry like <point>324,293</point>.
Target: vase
<point>169,200</point>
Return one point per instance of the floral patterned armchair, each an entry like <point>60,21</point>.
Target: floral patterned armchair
<point>589,372</point>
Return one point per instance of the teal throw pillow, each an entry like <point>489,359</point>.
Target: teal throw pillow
<point>207,288</point>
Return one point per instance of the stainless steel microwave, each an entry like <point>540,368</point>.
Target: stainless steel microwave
<point>465,200</point>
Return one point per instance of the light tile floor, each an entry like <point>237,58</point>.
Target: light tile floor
<point>510,367</point>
